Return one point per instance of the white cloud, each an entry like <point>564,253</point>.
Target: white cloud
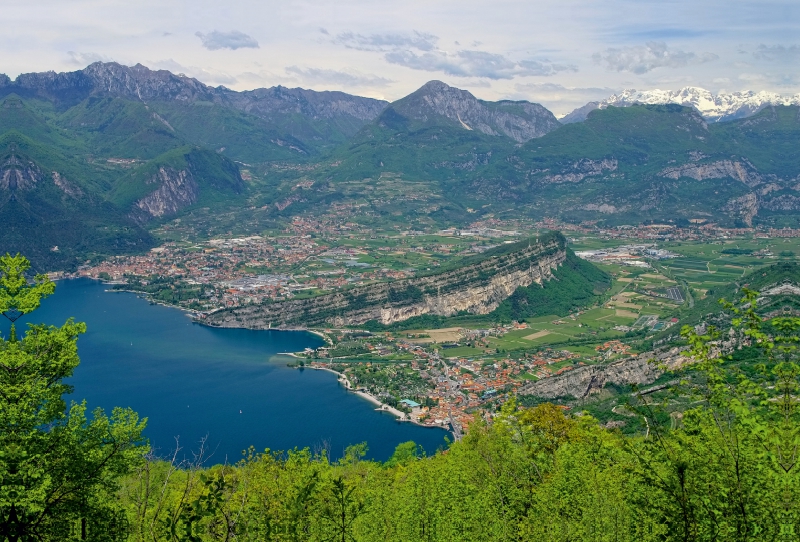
<point>338,78</point>
<point>779,53</point>
<point>475,83</point>
<point>753,77</point>
<point>783,82</point>
<point>493,44</point>
<point>554,90</point>
<point>539,67</point>
<point>209,76</point>
<point>560,99</point>
<point>388,42</point>
<point>226,40</point>
<point>420,51</point>
<point>641,59</point>
<point>473,64</point>
<point>84,59</point>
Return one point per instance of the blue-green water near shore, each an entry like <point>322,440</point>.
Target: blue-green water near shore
<point>192,381</point>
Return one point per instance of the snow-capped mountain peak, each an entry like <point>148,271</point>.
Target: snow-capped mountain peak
<point>714,108</point>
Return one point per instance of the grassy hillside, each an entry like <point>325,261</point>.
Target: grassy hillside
<point>114,127</point>
<point>237,135</point>
<point>768,139</point>
<point>709,311</point>
<point>622,165</point>
<point>21,117</point>
<point>417,152</point>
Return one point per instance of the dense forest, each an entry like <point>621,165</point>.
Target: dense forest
<point>724,469</point>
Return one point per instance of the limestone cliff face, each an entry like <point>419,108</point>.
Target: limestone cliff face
<point>740,170</point>
<point>178,189</point>
<point>766,191</point>
<point>66,186</point>
<point>590,379</point>
<point>580,170</point>
<point>476,288</point>
<point>745,207</point>
<point>18,174</point>
<point>782,202</point>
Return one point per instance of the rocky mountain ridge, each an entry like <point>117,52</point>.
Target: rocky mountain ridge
<point>714,107</point>
<point>591,379</point>
<point>518,120</point>
<point>50,214</point>
<point>140,83</point>
<point>476,288</point>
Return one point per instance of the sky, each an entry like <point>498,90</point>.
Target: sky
<point>560,53</point>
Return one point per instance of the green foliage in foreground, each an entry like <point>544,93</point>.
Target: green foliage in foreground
<point>725,470</point>
<point>59,470</point>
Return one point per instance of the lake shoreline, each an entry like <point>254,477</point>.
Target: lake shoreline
<point>195,315</point>
<point>226,386</point>
<point>382,407</point>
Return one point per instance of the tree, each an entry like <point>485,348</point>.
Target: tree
<point>730,472</point>
<point>340,510</point>
<point>58,467</point>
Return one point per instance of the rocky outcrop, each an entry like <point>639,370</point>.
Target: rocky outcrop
<point>477,288</point>
<point>782,202</point>
<point>18,174</point>
<point>67,187</point>
<point>601,208</point>
<point>590,379</point>
<point>580,170</point>
<point>744,207</point>
<point>178,189</point>
<point>580,114</point>
<point>519,120</point>
<point>742,171</point>
<point>768,191</point>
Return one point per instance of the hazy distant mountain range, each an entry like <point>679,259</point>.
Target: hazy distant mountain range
<point>92,160</point>
<point>713,107</point>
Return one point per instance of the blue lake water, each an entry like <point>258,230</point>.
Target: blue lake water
<point>193,381</point>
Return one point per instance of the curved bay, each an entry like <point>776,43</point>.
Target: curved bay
<point>192,381</point>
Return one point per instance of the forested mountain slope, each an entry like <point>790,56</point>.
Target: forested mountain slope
<point>153,145</point>
<point>318,119</point>
<point>622,165</point>
<point>62,203</point>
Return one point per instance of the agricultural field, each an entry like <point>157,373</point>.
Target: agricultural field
<point>700,265</point>
<point>708,265</point>
<point>636,300</point>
